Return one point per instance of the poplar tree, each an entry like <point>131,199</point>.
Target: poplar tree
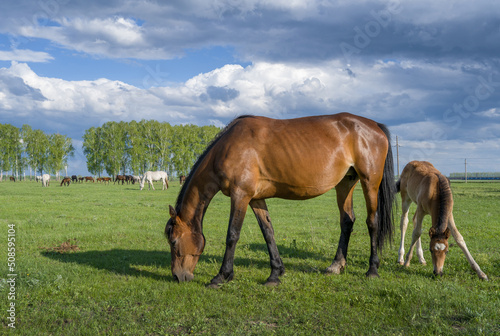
<point>92,148</point>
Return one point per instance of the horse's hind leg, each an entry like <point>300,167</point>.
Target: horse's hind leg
<point>461,243</point>
<point>344,201</point>
<point>417,232</point>
<point>259,208</point>
<point>406,202</point>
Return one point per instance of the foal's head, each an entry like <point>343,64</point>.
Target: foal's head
<point>186,246</point>
<point>439,249</point>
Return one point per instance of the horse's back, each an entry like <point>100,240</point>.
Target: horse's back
<point>422,182</point>
<point>301,157</point>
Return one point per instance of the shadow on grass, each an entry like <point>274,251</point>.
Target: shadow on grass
<point>132,262</point>
<point>124,262</point>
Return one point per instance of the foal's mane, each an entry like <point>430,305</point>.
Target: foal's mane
<point>445,198</point>
<point>180,197</point>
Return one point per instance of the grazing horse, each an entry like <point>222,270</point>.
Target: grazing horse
<point>89,178</point>
<point>255,158</point>
<point>151,176</point>
<point>136,179</point>
<point>182,179</point>
<point>38,178</point>
<point>106,179</point>
<point>120,178</point>
<point>74,178</point>
<point>45,180</point>
<point>12,178</point>
<point>66,181</point>
<point>80,179</point>
<point>423,184</point>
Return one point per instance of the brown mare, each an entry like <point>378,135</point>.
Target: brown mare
<point>120,178</point>
<point>182,179</point>
<point>424,185</point>
<point>255,158</point>
<point>106,179</point>
<point>66,181</point>
<point>89,178</point>
<point>13,179</point>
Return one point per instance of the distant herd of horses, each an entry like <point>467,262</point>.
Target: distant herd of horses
<point>148,177</point>
<point>255,158</point>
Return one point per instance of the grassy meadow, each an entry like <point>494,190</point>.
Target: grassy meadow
<point>91,259</point>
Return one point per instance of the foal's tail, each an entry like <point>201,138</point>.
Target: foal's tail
<point>386,194</point>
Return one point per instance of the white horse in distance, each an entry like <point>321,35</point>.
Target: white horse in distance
<point>45,180</point>
<point>151,176</point>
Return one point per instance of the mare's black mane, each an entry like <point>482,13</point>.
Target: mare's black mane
<point>180,197</point>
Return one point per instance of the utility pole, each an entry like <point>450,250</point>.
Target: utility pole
<point>397,152</point>
<point>465,170</point>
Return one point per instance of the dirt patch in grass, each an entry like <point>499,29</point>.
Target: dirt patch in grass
<point>65,247</point>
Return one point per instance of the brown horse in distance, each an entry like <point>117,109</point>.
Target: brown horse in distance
<point>66,181</point>
<point>255,158</point>
<point>13,179</point>
<point>182,179</point>
<point>120,178</point>
<point>106,179</point>
<point>424,185</point>
<point>89,178</point>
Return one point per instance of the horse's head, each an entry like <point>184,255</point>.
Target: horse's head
<point>186,246</point>
<point>439,249</point>
<point>141,183</point>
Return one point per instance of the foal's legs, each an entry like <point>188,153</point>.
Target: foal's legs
<point>405,205</point>
<point>259,208</point>
<point>415,238</point>
<point>461,243</point>
<point>239,204</point>
<point>344,191</point>
<point>406,202</point>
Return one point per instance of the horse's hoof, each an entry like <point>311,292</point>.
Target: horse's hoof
<point>372,273</point>
<point>272,283</point>
<point>213,286</point>
<point>334,269</point>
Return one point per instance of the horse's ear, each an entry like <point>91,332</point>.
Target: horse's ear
<point>173,213</point>
<point>432,232</point>
<point>447,233</point>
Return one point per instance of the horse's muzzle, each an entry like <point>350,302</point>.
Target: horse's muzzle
<point>183,277</point>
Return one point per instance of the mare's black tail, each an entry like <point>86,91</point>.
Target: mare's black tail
<point>386,194</point>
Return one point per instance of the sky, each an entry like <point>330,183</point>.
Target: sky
<point>429,70</point>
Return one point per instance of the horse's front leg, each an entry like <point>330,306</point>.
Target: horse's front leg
<point>238,210</point>
<point>461,243</point>
<point>259,208</point>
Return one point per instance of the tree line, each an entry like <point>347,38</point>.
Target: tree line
<point>25,148</point>
<point>136,147</point>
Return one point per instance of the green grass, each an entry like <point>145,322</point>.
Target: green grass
<point>119,281</point>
